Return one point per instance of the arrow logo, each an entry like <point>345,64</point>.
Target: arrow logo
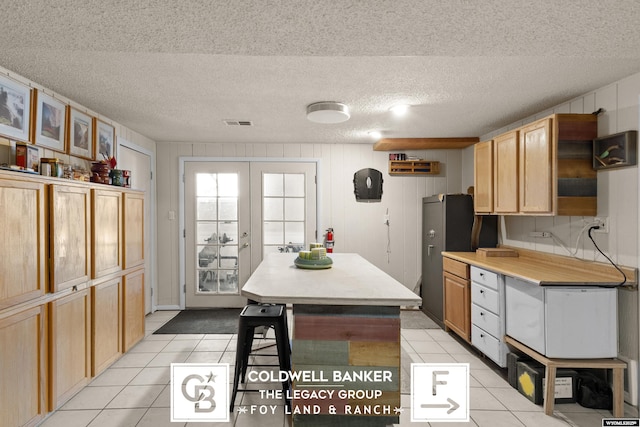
<point>452,405</point>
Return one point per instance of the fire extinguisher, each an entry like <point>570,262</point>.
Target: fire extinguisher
<point>328,240</point>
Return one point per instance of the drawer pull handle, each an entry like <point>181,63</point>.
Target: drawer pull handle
<point>482,275</point>
<point>481,313</point>
<point>481,335</point>
<point>481,291</point>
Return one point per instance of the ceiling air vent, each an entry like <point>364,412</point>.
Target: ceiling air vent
<point>238,123</point>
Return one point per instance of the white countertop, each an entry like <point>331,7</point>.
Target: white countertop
<point>351,280</point>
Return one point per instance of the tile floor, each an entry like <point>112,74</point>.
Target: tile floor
<point>134,391</point>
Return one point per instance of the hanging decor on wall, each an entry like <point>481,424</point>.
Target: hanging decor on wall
<point>15,109</point>
<point>367,185</point>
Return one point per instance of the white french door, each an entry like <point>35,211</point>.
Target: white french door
<point>283,209</point>
<point>234,214</point>
<point>217,230</point>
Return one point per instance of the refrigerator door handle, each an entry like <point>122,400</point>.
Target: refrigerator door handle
<point>429,248</point>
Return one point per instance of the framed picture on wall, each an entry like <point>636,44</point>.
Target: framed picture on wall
<point>50,121</point>
<point>80,134</point>
<point>15,109</point>
<point>105,139</point>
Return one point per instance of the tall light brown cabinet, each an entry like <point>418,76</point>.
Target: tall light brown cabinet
<point>71,299</point>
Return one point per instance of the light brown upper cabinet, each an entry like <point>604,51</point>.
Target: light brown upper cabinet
<point>543,168</point>
<point>70,235</point>
<point>505,173</point>
<point>537,168</point>
<point>22,248</point>
<point>483,177</point>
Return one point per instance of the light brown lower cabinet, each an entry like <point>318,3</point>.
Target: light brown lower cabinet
<point>457,297</point>
<point>106,315</point>
<point>69,346</point>
<point>22,367</point>
<point>133,308</point>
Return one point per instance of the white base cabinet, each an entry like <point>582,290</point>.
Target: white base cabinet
<point>488,314</point>
<point>562,322</point>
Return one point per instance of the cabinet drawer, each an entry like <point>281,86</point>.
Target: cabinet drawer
<point>458,268</point>
<point>486,343</point>
<point>485,297</point>
<point>486,320</point>
<point>484,277</point>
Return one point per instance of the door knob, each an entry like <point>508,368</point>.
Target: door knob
<point>246,245</point>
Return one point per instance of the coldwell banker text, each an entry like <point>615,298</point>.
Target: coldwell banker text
<point>369,375</point>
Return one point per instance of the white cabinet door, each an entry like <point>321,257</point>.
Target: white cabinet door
<point>581,323</point>
<point>525,319</point>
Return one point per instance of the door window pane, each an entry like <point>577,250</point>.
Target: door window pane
<point>294,185</point>
<point>228,208</point>
<point>294,209</point>
<point>294,233</point>
<point>273,209</point>
<point>273,185</point>
<point>207,209</point>
<point>273,233</point>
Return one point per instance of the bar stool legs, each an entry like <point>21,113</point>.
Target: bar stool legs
<point>251,317</point>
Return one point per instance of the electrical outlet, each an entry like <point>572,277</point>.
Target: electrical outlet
<point>539,234</point>
<point>603,223</point>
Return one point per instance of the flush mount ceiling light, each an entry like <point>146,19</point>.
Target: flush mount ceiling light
<point>400,109</point>
<point>328,112</point>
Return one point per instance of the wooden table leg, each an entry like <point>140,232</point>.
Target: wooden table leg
<point>618,392</point>
<point>550,380</point>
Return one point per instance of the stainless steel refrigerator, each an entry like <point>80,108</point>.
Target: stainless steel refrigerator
<point>447,225</point>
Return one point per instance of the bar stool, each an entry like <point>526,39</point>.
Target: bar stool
<point>251,317</point>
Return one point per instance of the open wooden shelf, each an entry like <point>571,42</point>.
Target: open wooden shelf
<point>413,167</point>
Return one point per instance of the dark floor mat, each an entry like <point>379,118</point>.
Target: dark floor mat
<point>203,321</point>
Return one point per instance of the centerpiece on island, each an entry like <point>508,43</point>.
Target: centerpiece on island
<point>314,259</point>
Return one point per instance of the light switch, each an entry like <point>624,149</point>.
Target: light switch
<point>172,215</point>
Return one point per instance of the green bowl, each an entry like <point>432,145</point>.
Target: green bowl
<point>313,264</point>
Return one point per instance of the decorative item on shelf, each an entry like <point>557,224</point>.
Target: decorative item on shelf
<point>126,178</point>
<point>27,156</point>
<point>81,174</point>
<point>397,156</point>
<point>614,151</point>
<point>100,172</point>
<point>67,171</point>
<point>51,167</point>
<point>116,177</point>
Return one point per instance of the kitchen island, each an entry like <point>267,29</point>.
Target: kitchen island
<point>346,337</point>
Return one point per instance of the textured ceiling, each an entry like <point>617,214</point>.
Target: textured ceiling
<point>174,70</point>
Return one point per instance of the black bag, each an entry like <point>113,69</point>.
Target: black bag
<point>594,392</point>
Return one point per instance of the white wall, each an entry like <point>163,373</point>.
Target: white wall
<point>358,227</point>
<point>617,201</point>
